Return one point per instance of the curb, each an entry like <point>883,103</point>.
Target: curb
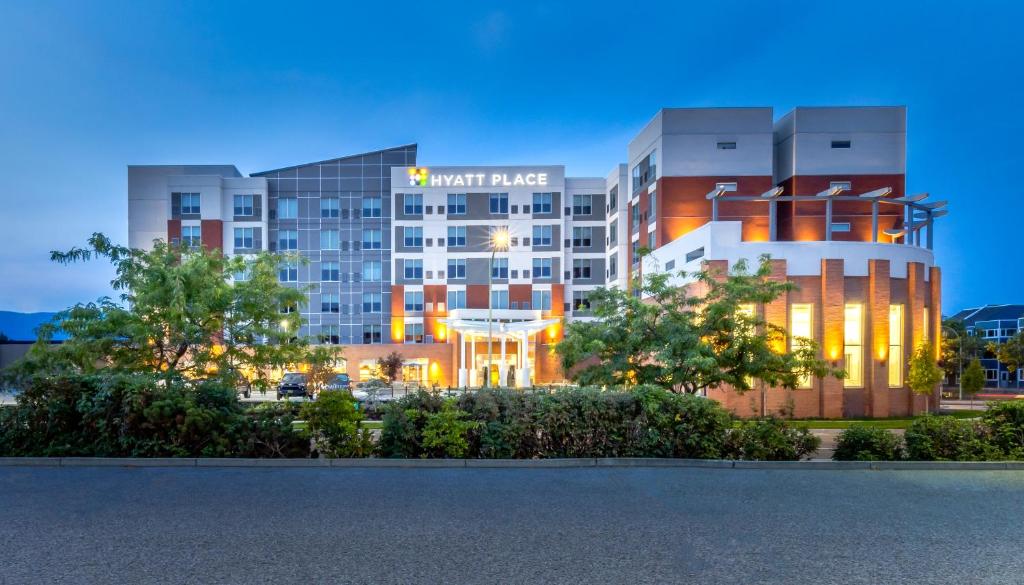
<point>611,462</point>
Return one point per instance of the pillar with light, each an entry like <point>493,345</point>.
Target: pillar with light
<point>499,241</point>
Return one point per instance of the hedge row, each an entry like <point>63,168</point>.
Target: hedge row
<point>997,435</point>
<point>582,422</point>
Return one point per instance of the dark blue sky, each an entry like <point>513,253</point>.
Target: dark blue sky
<point>88,88</point>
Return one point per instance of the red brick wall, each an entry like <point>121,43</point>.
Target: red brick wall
<point>805,220</point>
<point>212,233</point>
<point>173,230</point>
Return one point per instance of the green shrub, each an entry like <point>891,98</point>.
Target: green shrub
<point>444,432</point>
<point>587,422</point>
<point>771,439</point>
<point>133,415</point>
<point>334,424</point>
<point>507,427</point>
<point>402,426</point>
<point>945,438</point>
<point>865,443</point>
<point>680,425</point>
<point>271,432</point>
<point>1005,421</point>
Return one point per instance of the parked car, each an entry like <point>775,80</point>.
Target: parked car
<point>293,385</point>
<point>339,382</point>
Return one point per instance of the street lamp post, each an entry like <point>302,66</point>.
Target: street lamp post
<point>959,359</point>
<point>499,241</point>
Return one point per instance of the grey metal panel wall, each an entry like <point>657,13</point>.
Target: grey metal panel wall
<point>349,179</point>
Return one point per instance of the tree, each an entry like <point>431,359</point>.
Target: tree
<point>321,364</point>
<point>179,313</point>
<point>973,379</point>
<point>1010,353</point>
<point>3,337</point>
<point>924,374</point>
<point>390,366</point>
<point>950,358</point>
<point>691,338</point>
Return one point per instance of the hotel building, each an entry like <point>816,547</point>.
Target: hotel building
<point>401,253</point>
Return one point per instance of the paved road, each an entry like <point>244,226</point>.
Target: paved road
<point>92,525</point>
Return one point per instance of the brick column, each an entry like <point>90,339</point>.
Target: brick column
<point>777,313</point>
<point>935,318</point>
<point>833,300</point>
<point>878,325</point>
<point>916,289</point>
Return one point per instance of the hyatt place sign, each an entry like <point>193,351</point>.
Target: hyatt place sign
<point>421,177</point>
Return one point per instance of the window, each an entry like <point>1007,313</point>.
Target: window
<point>636,252</point>
<point>330,207</point>
<point>840,144</point>
<point>500,268</point>
<point>371,334</point>
<point>330,271</point>
<point>582,237</point>
<point>613,199</point>
<point>413,269</point>
<point>726,146</point>
<point>244,205</point>
<point>245,238</point>
<point>582,204</point>
<point>190,203</point>
<point>542,267</point>
<point>670,265</point>
<point>241,275</point>
<point>413,300</point>
<point>499,203</point>
<point>853,350</point>
<point>412,237</point>
<point>288,308</point>
<point>895,346</point>
<point>456,204</point>
<point>372,302</point>
<point>634,217</point>
<point>613,265</point>
<point>842,226</point>
<point>581,269</point>
<point>727,187</point>
<point>542,300</point>
<point>414,332</point>
<point>456,236</point>
<point>372,271</point>
<point>329,303</point>
<point>287,208</point>
<point>499,299</point>
<point>413,204</point>
<point>287,240</point>
<point>542,202</point>
<point>841,185</point>
<point>652,206</point>
<point>542,235</point>
<point>329,240</point>
<point>191,236</point>
<point>801,332</point>
<point>651,240</point>
<point>330,334</point>
<point>371,207</point>
<point>456,268</point>
<point>645,171</point>
<point>288,272</point>
<point>371,239</point>
<point>613,232</point>
<point>924,323</point>
<point>580,301</point>
<point>456,299</point>
<point>694,254</point>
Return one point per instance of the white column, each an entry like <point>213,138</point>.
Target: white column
<point>463,378</point>
<point>502,365</point>
<point>523,373</point>
<point>473,374</point>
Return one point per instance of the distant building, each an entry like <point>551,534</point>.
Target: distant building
<point>995,324</point>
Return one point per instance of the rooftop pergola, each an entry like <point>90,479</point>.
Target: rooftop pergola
<point>916,215</point>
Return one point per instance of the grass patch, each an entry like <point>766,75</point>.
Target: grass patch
<point>877,423</point>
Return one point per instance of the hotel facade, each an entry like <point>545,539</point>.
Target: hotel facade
<point>401,255</point>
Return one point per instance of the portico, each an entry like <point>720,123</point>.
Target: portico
<point>511,329</point>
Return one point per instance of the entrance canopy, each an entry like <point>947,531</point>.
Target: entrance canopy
<point>508,323</point>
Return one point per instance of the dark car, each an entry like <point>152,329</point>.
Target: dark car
<point>292,386</point>
<point>339,382</point>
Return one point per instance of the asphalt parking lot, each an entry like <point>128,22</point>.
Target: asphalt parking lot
<point>640,525</point>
